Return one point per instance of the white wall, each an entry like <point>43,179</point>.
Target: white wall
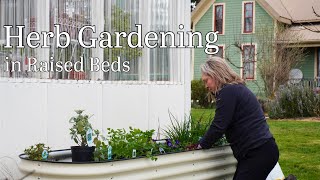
<point>34,111</point>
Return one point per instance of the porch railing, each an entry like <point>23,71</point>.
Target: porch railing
<point>313,83</point>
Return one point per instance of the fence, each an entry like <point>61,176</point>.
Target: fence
<point>313,83</point>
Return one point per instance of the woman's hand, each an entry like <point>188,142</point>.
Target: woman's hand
<point>199,146</point>
<point>193,147</point>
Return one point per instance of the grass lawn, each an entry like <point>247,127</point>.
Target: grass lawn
<point>206,113</point>
<point>299,145</point>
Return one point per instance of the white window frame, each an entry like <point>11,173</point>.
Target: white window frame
<point>253,18</point>
<point>255,59</point>
<point>224,17</point>
<point>223,48</point>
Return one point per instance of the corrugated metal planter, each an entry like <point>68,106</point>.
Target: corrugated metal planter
<point>215,163</point>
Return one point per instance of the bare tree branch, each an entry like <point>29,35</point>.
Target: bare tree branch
<point>316,30</point>
<point>276,57</point>
<point>314,11</point>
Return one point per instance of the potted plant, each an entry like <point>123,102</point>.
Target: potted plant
<point>81,132</point>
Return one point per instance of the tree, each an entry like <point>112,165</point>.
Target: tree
<point>278,53</point>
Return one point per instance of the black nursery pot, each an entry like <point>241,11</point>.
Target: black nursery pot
<point>82,153</point>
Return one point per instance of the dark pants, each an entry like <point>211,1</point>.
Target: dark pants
<point>258,162</point>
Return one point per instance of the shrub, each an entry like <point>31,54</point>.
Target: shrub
<point>199,95</point>
<point>317,106</point>
<point>264,103</point>
<point>294,101</point>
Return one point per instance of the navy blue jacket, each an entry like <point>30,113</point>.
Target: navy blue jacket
<point>239,116</point>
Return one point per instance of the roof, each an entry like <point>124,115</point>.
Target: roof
<point>200,10</point>
<point>307,34</point>
<point>297,11</point>
<point>286,11</point>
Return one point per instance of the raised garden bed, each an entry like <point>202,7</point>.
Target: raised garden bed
<point>124,154</point>
<point>214,163</point>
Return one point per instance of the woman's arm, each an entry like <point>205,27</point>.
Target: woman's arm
<point>225,108</point>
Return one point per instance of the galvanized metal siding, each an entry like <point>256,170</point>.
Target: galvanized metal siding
<point>216,163</point>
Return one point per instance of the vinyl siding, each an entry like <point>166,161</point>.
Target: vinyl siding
<point>204,25</point>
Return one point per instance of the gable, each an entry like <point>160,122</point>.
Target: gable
<point>200,10</point>
<point>205,5</point>
<point>285,11</point>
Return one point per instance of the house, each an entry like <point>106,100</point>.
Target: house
<point>239,23</point>
<point>36,105</point>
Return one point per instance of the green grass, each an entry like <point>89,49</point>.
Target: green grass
<point>299,145</point>
<point>206,113</point>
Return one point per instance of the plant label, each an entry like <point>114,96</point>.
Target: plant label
<point>89,137</point>
<point>162,151</point>
<point>109,152</point>
<point>45,154</point>
<point>134,153</point>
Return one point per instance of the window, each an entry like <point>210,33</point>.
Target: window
<point>14,13</point>
<point>248,17</point>
<point>71,15</point>
<point>249,62</point>
<point>219,18</point>
<point>220,53</point>
<point>146,64</point>
<point>121,16</point>
<point>160,60</point>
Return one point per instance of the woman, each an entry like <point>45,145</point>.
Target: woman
<point>239,116</point>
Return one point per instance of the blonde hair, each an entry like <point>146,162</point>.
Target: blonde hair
<point>221,72</point>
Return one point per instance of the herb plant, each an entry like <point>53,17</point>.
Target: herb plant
<point>123,143</point>
<point>35,152</point>
<point>189,131</point>
<point>80,126</point>
<point>178,130</point>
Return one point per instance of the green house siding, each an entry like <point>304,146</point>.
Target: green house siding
<point>307,65</point>
<point>204,25</point>
<point>233,34</point>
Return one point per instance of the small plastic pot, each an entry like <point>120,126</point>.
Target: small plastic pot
<point>82,153</point>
